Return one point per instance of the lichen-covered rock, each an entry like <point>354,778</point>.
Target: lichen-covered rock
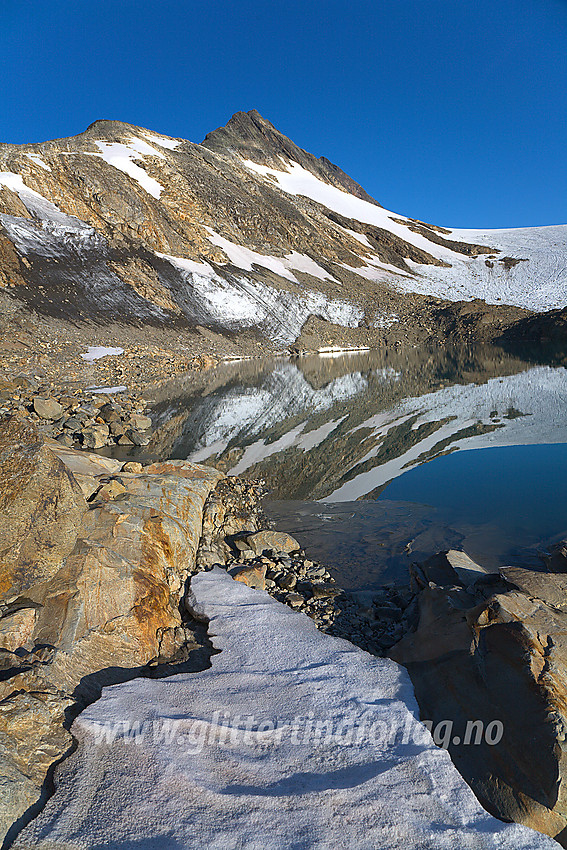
<point>84,588</point>
<point>254,576</point>
<point>41,507</point>
<point>272,541</point>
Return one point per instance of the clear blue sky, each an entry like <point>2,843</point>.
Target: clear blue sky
<point>452,111</point>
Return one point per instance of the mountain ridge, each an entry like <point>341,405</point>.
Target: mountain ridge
<point>247,233</point>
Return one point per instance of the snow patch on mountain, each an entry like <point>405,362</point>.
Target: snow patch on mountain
<point>537,282</point>
<point>50,230</point>
<point>243,303</point>
<point>296,180</point>
<point>38,161</point>
<point>163,141</point>
<point>245,258</point>
<point>292,738</point>
<point>122,157</point>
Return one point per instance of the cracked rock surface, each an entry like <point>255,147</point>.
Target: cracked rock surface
<point>89,590</point>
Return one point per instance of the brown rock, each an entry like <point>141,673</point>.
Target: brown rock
<point>295,600</point>
<point>41,507</point>
<point>323,591</point>
<point>101,588</point>
<point>111,490</point>
<point>140,422</point>
<point>503,661</point>
<point>277,541</point>
<point>16,628</point>
<point>131,466</point>
<point>94,437</point>
<point>253,576</point>
<point>47,408</point>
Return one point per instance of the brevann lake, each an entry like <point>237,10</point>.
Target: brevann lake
<point>375,459</point>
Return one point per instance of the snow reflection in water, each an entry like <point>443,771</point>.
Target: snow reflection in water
<point>367,426</point>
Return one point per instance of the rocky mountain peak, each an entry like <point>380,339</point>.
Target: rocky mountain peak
<point>248,135</point>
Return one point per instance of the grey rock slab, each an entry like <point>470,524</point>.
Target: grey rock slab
<point>47,408</point>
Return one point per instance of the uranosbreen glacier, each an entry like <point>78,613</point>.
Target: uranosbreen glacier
<point>229,757</point>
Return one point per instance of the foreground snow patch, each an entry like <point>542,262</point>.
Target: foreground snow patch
<point>229,757</point>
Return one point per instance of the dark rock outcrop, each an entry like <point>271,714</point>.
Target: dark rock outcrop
<point>489,658</point>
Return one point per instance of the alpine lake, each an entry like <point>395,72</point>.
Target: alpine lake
<point>375,459</point>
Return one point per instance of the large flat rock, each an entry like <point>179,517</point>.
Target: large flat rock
<point>86,590</point>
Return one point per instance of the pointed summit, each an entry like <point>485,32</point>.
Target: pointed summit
<point>250,136</point>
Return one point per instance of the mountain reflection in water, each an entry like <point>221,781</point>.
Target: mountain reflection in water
<point>379,426</point>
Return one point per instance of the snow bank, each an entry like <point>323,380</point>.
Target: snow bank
<point>291,739</point>
<point>38,161</point>
<point>163,141</point>
<point>245,258</point>
<point>122,157</point>
<point>107,390</point>
<point>95,352</point>
<point>537,282</point>
<point>242,303</point>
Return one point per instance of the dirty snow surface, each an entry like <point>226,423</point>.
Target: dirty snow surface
<point>228,758</point>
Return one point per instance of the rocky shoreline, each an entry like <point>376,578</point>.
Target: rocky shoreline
<point>108,578</point>
<point>274,561</point>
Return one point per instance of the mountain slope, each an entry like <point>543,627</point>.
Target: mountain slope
<point>245,232</point>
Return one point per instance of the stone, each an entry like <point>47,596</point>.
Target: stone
<point>254,576</point>
<point>501,661</point>
<point>387,613</point>
<point>16,628</point>
<point>324,591</point>
<point>556,561</point>
<point>65,440</point>
<point>137,438</point>
<point>34,483</point>
<point>47,408</point>
<point>111,490</point>
<point>132,466</point>
<point>94,438</point>
<point>73,424</point>
<point>295,600</point>
<point>101,586</point>
<point>287,582</point>
<point>109,413</point>
<point>117,428</point>
<point>278,541</point>
<point>140,422</point>
<point>551,589</point>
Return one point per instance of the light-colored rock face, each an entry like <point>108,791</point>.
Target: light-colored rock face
<point>41,507</point>
<point>101,591</point>
<point>497,653</point>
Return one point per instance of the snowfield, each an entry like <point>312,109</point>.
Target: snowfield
<point>538,282</point>
<point>292,739</point>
